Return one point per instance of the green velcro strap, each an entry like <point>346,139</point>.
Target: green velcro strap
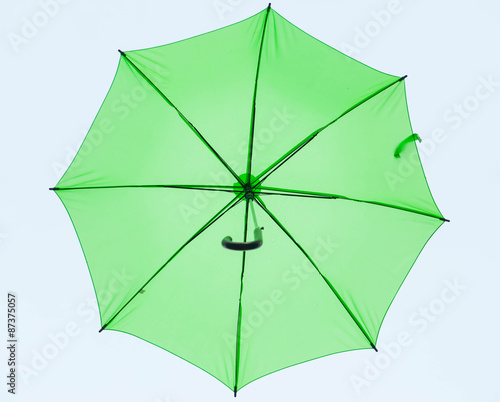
<point>402,144</point>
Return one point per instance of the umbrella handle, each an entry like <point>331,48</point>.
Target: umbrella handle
<point>244,246</point>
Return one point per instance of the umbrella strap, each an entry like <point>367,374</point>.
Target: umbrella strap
<point>402,144</point>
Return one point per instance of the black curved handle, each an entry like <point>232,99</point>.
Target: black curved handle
<point>244,246</point>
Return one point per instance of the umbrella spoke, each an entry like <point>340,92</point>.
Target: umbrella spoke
<point>332,288</point>
<point>312,194</point>
<point>235,201</point>
<point>227,189</point>
<point>285,157</point>
<point>181,115</point>
<point>238,329</point>
<point>252,122</point>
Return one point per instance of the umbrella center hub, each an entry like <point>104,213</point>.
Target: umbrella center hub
<point>250,188</point>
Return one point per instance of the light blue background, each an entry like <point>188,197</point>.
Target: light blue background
<point>53,80</point>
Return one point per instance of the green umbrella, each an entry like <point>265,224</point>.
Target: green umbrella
<point>210,139</point>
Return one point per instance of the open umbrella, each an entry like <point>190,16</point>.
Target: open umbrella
<point>210,139</point>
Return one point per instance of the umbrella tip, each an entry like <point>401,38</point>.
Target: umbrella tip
<point>235,391</point>
<point>122,53</point>
<point>269,5</point>
<point>103,328</point>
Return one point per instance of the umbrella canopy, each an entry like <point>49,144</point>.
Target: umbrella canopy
<point>212,138</point>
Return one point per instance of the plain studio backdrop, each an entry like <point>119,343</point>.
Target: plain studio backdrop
<point>439,339</point>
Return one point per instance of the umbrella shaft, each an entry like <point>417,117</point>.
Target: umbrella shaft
<point>253,213</point>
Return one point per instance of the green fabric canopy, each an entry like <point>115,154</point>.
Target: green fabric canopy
<point>194,135</point>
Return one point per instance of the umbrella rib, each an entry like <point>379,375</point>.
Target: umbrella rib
<point>238,328</point>
<point>235,201</point>
<point>252,122</point>
<point>290,155</point>
<point>311,194</point>
<point>332,288</point>
<point>285,157</point>
<point>228,189</point>
<point>189,124</point>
